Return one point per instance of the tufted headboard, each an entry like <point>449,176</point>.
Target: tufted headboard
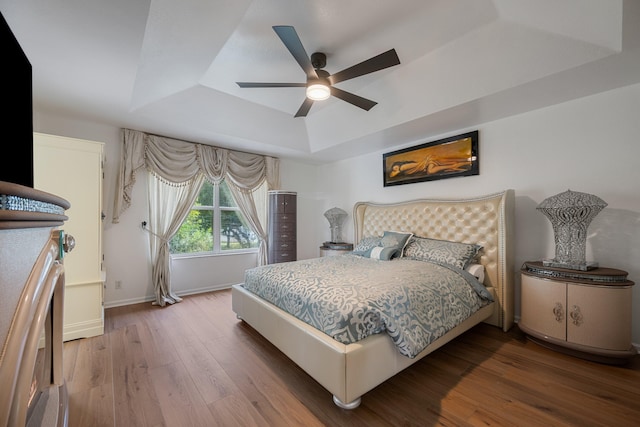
<point>486,220</point>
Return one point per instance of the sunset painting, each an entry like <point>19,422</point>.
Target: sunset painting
<point>445,158</point>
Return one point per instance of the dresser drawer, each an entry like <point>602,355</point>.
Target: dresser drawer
<point>285,236</point>
<point>283,245</point>
<point>284,217</point>
<point>284,256</point>
<point>288,228</point>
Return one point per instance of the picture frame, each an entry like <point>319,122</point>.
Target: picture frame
<point>450,157</point>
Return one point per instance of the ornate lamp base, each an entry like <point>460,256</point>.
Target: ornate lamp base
<point>570,214</point>
<point>338,246</point>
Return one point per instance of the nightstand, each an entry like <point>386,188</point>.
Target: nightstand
<point>336,249</point>
<point>583,313</point>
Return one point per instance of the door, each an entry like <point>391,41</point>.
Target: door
<point>544,306</point>
<point>72,169</point>
<point>599,316</point>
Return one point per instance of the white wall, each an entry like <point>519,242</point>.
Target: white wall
<point>590,145</point>
<point>126,247</point>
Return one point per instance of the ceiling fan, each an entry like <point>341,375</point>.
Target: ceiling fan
<point>319,82</point>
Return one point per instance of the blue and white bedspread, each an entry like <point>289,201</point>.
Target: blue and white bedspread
<point>349,297</point>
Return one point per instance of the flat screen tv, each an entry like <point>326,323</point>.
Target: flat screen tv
<point>17,119</point>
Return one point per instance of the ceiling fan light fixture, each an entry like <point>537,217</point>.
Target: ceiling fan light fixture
<point>318,92</point>
<point>320,84</point>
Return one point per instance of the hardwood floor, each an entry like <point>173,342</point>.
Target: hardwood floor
<point>195,364</point>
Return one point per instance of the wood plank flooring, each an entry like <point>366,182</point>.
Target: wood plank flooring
<point>195,364</point>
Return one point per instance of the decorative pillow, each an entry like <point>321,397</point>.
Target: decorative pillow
<point>367,243</point>
<point>477,270</point>
<point>454,253</point>
<point>378,252</point>
<point>395,239</point>
<point>384,248</point>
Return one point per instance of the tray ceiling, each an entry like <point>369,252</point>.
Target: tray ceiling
<point>170,67</point>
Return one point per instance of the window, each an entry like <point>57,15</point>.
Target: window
<point>214,225</point>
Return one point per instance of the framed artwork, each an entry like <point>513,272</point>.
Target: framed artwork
<point>445,158</point>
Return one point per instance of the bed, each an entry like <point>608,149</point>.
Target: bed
<point>350,369</point>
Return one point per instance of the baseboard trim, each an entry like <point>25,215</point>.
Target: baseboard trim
<point>148,298</point>
<point>91,328</point>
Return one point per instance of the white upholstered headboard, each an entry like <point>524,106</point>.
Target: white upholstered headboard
<point>486,220</point>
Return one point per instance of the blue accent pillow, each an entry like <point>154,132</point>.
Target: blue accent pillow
<point>453,253</point>
<point>396,239</point>
<point>378,252</point>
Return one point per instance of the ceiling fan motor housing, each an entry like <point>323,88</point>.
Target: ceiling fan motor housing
<point>323,78</point>
<point>318,60</point>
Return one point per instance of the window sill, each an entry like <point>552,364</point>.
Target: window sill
<point>214,255</point>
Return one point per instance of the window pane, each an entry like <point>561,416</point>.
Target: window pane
<point>195,233</point>
<point>226,200</point>
<point>199,232</point>
<point>205,197</point>
<point>234,234</point>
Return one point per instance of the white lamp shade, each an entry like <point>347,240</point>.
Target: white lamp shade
<point>318,92</point>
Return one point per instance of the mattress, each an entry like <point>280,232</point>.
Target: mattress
<point>349,297</point>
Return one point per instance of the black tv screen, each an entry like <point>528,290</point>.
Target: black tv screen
<point>17,119</point>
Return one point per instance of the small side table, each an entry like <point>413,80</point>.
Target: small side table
<point>336,249</point>
<point>583,313</point>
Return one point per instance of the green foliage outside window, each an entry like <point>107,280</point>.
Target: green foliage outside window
<point>198,232</point>
<point>195,234</point>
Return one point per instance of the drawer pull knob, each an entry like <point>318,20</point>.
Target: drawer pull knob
<point>576,315</point>
<point>558,312</point>
<point>69,243</point>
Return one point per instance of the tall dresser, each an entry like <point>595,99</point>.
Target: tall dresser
<point>282,226</point>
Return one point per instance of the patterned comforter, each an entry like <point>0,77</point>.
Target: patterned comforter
<point>349,297</point>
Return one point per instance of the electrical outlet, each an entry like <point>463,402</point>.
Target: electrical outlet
<point>118,284</point>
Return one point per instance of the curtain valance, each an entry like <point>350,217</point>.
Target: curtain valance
<point>179,162</point>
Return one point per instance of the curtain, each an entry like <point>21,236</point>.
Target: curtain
<point>253,205</point>
<point>177,162</point>
<point>247,174</point>
<point>131,160</point>
<point>169,205</point>
<point>177,170</point>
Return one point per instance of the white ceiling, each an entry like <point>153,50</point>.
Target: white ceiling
<point>169,67</point>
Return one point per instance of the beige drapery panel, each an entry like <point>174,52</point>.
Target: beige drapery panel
<point>176,163</point>
<point>169,205</point>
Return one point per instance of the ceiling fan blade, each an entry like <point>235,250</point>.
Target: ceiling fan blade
<point>291,40</point>
<point>358,101</point>
<point>250,84</point>
<point>380,62</point>
<point>304,108</point>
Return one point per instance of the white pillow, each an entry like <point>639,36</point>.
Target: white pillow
<point>477,270</point>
